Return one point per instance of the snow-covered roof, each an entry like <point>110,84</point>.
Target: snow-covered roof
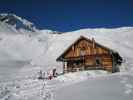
<point>89,40</point>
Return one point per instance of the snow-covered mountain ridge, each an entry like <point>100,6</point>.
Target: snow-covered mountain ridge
<point>18,22</point>
<point>11,23</point>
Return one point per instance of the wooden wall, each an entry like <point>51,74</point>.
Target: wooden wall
<point>88,48</point>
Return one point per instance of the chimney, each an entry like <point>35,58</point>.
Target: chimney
<point>93,42</point>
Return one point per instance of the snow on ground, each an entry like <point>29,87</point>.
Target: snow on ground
<point>81,75</point>
<point>33,89</point>
<point>102,88</point>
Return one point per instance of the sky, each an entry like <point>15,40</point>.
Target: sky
<point>70,15</point>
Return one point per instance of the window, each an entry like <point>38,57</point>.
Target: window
<point>82,51</point>
<point>98,61</point>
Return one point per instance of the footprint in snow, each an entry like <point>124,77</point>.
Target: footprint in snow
<point>128,91</point>
<point>124,80</point>
<point>129,88</point>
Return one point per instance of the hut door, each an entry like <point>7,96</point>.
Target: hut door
<point>98,62</point>
<point>82,51</point>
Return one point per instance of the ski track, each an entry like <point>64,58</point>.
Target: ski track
<point>30,88</point>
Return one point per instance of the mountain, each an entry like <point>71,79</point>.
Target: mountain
<point>18,22</point>
<point>13,24</point>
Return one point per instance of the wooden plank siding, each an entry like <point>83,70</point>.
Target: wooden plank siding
<point>75,51</point>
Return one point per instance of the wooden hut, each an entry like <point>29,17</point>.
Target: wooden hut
<point>87,54</point>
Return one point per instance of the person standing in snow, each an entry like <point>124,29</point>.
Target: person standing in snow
<point>40,75</point>
<point>54,72</point>
<point>50,75</point>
